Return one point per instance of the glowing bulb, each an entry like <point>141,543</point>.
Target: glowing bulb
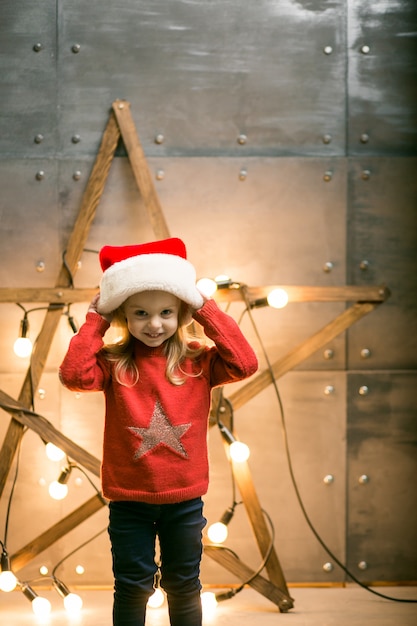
<point>73,603</point>
<point>57,490</point>
<point>41,607</point>
<point>217,532</point>
<point>207,286</point>
<point>22,347</point>
<point>239,451</point>
<point>53,452</point>
<point>80,570</point>
<point>157,599</point>
<point>8,581</point>
<point>208,603</point>
<point>278,298</point>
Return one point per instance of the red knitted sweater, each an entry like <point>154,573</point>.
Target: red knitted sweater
<point>155,436</point>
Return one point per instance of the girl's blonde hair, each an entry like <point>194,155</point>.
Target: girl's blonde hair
<point>177,348</point>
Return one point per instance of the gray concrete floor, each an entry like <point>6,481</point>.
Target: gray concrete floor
<point>335,606</point>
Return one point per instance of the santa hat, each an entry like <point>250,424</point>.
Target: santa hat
<point>155,266</point>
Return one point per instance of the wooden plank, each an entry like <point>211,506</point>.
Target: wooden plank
<point>341,323</point>
<point>41,426</point>
<point>45,295</point>
<point>232,563</point>
<point>307,293</point>
<point>78,238</point>
<point>23,556</point>
<point>140,168</point>
<point>243,477</point>
<point>295,294</point>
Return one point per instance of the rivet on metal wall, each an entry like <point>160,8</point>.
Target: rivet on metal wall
<point>363,390</point>
<point>329,479</point>
<point>327,176</point>
<point>40,175</point>
<point>38,138</point>
<point>159,174</point>
<point>364,265</point>
<point>327,49</point>
<point>327,138</point>
<point>243,174</point>
<point>329,390</point>
<point>40,266</point>
<point>362,565</point>
<point>366,174</point>
<point>328,567</point>
<point>242,139</point>
<point>364,138</point>
<point>76,48</point>
<point>77,175</point>
<point>37,47</point>
<point>159,138</point>
<point>328,353</point>
<point>76,138</point>
<point>327,267</point>
<point>365,353</point>
<point>364,479</point>
<point>365,49</point>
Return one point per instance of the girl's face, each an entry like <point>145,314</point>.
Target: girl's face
<point>152,316</point>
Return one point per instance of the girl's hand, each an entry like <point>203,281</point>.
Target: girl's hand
<point>93,309</point>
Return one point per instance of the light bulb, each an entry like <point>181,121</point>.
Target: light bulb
<point>53,452</point>
<point>73,603</point>
<point>239,451</point>
<point>278,298</point>
<point>208,603</point>
<point>207,286</point>
<point>157,599</point>
<point>8,581</point>
<point>22,347</point>
<point>217,532</point>
<point>57,490</point>
<point>41,607</point>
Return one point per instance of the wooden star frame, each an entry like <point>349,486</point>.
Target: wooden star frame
<point>365,300</point>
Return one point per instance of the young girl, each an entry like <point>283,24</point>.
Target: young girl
<point>157,386</point>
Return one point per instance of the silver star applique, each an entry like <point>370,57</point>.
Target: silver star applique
<point>160,431</point>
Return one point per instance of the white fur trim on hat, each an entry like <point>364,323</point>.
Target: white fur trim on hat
<point>148,272</point>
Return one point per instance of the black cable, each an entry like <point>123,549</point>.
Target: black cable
<point>290,467</point>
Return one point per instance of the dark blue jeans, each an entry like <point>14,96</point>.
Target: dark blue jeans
<point>133,529</point>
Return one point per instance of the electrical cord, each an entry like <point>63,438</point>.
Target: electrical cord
<point>292,475</point>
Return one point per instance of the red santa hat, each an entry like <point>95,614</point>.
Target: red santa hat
<point>155,266</point>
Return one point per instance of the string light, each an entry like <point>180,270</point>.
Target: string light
<point>218,532</point>
<point>53,452</point>
<point>72,601</point>
<point>8,580</point>
<point>22,347</point>
<point>239,451</point>
<point>40,606</point>
<point>58,489</point>
<point>208,603</point>
<point>157,599</point>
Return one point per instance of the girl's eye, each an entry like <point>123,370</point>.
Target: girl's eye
<point>166,312</point>
<point>140,313</point>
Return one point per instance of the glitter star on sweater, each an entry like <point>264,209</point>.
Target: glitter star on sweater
<point>160,431</point>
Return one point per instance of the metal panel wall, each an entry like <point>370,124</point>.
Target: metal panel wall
<point>282,136</point>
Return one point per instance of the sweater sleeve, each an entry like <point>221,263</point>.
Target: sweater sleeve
<point>232,358</point>
<point>81,369</point>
